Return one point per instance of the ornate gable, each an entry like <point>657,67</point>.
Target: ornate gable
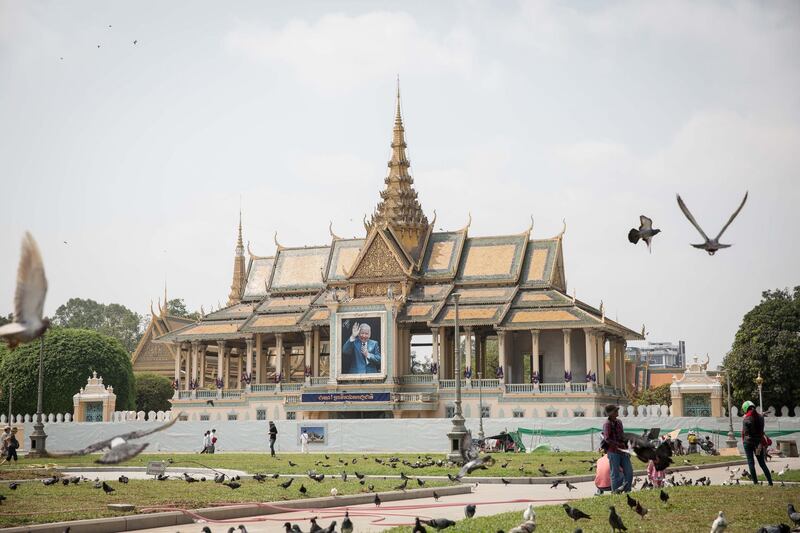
<point>378,261</point>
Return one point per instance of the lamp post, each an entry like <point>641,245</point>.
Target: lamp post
<point>459,430</point>
<point>38,437</point>
<point>731,440</point>
<point>480,405</point>
<point>760,382</point>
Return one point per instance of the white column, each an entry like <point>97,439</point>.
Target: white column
<point>202,356</point>
<point>308,337</point>
<point>278,353</point>
<point>195,349</point>
<point>239,361</point>
<point>187,368</point>
<point>315,370</point>
<point>622,344</point>
<point>435,347</point>
<point>535,353</point>
<point>178,355</point>
<point>258,357</point>
<point>220,357</point>
<point>249,365</point>
<point>591,357</point>
<point>567,349</point>
<point>600,348</point>
<point>468,348</point>
<point>501,354</point>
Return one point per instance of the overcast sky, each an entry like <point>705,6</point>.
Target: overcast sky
<point>138,155</point>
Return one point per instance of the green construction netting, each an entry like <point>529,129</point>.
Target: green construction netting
<point>517,441</point>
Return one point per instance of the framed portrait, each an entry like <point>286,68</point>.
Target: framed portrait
<point>316,434</point>
<point>361,345</point>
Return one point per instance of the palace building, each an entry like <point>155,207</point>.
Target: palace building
<point>327,331</point>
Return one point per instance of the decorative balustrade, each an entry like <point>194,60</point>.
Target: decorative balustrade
<point>516,388</point>
<point>291,399</point>
<point>447,384</point>
<point>485,383</point>
<point>231,394</point>
<point>262,387</point>
<point>184,395</point>
<point>206,393</point>
<point>291,386</point>
<point>415,397</point>
<point>578,387</point>
<point>318,380</point>
<point>552,387</point>
<point>416,379</point>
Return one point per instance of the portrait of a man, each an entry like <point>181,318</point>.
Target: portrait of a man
<point>361,354</point>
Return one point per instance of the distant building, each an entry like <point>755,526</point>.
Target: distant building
<point>656,362</point>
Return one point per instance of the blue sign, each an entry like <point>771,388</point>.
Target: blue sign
<point>346,397</point>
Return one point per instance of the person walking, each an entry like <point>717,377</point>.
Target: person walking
<point>614,442</point>
<point>3,437</point>
<point>213,447</point>
<point>755,441</point>
<point>206,441</point>
<point>304,442</point>
<point>273,435</point>
<point>11,444</point>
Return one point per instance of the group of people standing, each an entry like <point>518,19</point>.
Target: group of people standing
<point>209,441</point>
<point>617,463</point>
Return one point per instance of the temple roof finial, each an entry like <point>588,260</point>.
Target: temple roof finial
<point>239,268</point>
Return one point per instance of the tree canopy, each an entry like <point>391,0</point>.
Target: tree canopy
<point>768,341</point>
<point>114,320</point>
<point>656,396</point>
<point>177,307</point>
<point>70,357</point>
<point>153,392</point>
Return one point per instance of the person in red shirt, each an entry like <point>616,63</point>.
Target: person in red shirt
<point>614,443</point>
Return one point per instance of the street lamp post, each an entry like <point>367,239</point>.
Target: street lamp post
<point>760,382</point>
<point>38,437</point>
<point>731,440</point>
<point>480,405</point>
<point>459,430</point>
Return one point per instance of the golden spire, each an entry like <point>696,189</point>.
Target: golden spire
<point>399,207</point>
<point>239,272</point>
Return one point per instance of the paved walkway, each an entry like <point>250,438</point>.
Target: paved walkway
<point>489,499</point>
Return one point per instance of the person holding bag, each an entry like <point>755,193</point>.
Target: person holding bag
<point>755,441</point>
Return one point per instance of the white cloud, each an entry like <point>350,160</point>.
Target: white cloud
<point>342,51</point>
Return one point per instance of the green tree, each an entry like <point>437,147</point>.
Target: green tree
<point>655,396</point>
<point>177,307</point>
<point>153,392</point>
<point>768,341</point>
<point>113,319</point>
<point>70,357</point>
<point>6,319</point>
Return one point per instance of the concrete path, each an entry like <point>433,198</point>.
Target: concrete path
<point>489,499</point>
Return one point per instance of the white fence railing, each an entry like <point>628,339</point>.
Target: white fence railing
<point>416,379</point>
<point>262,387</point>
<point>319,380</point>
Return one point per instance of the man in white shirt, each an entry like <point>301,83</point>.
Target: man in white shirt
<point>304,442</point>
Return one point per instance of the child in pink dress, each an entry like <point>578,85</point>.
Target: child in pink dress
<point>656,477</point>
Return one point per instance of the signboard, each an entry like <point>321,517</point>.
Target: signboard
<point>156,468</point>
<point>346,397</point>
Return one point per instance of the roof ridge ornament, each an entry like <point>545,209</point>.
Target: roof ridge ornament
<point>563,229</point>
<point>330,230</point>
<point>277,244</point>
<point>469,223</point>
<point>530,228</point>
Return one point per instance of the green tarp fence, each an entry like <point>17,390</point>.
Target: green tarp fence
<point>664,431</point>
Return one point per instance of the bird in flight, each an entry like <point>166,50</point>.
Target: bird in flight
<point>645,232</point>
<point>29,297</point>
<point>710,245</point>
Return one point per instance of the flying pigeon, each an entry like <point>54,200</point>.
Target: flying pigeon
<point>29,297</point>
<point>710,245</point>
<point>645,232</point>
<point>615,520</point>
<point>720,524</point>
<point>644,449</point>
<point>575,513</point>
<point>119,449</point>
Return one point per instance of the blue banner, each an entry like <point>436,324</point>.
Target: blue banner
<point>346,397</point>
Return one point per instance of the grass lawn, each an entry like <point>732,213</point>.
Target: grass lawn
<point>690,509</point>
<point>34,502</point>
<point>516,464</point>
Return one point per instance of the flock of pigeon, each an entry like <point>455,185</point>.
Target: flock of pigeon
<point>646,232</point>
